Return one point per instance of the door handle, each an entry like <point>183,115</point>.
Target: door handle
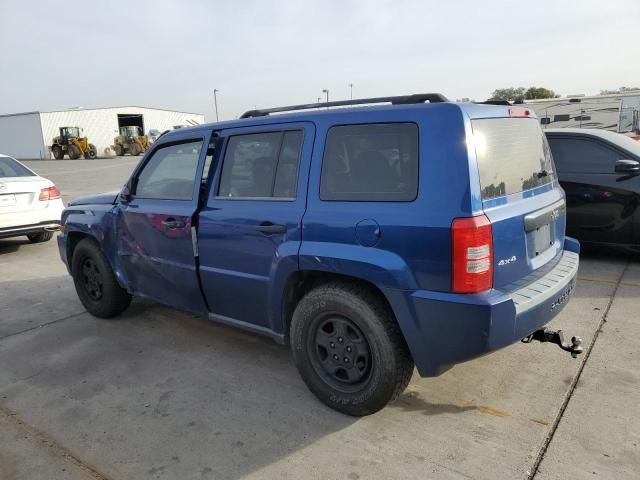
<point>271,228</point>
<point>173,223</point>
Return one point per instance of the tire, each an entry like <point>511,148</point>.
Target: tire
<point>355,325</point>
<point>73,152</point>
<point>40,237</point>
<point>134,149</point>
<point>91,152</point>
<point>95,282</point>
<point>118,150</point>
<point>58,153</point>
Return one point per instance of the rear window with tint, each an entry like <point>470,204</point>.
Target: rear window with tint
<point>10,168</point>
<point>371,162</point>
<point>513,155</point>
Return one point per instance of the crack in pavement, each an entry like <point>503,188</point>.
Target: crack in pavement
<point>38,437</point>
<point>31,329</point>
<point>545,445</point>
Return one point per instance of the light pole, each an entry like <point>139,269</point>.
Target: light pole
<point>318,100</point>
<point>351,91</point>
<point>326,92</point>
<point>215,101</point>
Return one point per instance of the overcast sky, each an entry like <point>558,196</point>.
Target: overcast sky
<point>172,54</point>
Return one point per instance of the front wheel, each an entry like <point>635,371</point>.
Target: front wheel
<point>58,153</point>
<point>134,149</point>
<point>349,349</point>
<point>95,282</point>
<point>73,152</point>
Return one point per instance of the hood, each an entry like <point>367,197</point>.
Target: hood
<point>99,199</point>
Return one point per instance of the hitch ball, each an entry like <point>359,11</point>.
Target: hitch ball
<point>557,337</point>
<point>576,346</point>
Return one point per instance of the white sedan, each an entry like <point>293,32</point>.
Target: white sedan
<point>29,204</point>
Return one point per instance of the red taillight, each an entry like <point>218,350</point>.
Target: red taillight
<point>49,193</point>
<point>519,112</point>
<point>472,255</point>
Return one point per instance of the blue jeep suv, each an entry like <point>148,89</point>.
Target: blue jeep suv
<point>370,238</point>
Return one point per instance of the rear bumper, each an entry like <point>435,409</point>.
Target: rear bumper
<point>51,225</point>
<point>442,329</point>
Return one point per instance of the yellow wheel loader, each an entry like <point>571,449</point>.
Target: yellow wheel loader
<point>70,143</point>
<point>130,141</point>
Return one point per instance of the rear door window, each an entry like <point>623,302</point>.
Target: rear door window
<point>578,155</point>
<point>261,165</point>
<point>513,155</point>
<point>373,162</point>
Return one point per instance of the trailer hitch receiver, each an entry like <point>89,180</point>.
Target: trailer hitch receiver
<point>557,337</point>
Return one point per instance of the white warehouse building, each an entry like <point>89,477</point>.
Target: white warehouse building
<point>29,135</point>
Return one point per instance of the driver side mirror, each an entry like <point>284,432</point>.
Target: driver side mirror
<point>125,194</point>
<point>627,166</point>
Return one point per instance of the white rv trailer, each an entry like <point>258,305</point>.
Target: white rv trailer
<point>618,113</point>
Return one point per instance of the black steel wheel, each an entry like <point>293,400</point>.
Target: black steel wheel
<point>96,285</point>
<point>339,352</point>
<point>349,349</point>
<point>92,278</point>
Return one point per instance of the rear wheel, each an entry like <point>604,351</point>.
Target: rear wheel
<point>91,152</point>
<point>349,349</point>
<point>58,153</point>
<point>73,152</point>
<point>40,237</point>
<point>95,282</point>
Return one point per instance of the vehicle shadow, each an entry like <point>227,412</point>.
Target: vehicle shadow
<point>412,402</point>
<point>158,391</point>
<point>596,252</point>
<point>11,245</point>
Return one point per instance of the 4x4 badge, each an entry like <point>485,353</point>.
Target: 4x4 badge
<point>507,261</point>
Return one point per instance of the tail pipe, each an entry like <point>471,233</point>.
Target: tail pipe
<point>557,337</point>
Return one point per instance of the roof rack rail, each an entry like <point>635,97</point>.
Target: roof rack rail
<point>400,100</point>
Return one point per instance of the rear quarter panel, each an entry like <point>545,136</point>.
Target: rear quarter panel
<point>413,250</point>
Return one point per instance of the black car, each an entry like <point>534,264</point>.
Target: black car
<point>600,173</point>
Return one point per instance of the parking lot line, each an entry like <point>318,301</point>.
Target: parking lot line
<point>576,379</point>
<point>42,325</point>
<point>599,432</point>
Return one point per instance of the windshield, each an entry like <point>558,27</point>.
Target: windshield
<point>11,168</point>
<point>129,131</point>
<point>513,155</point>
<point>71,132</point>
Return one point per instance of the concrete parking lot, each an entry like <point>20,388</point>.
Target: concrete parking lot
<point>158,393</point>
